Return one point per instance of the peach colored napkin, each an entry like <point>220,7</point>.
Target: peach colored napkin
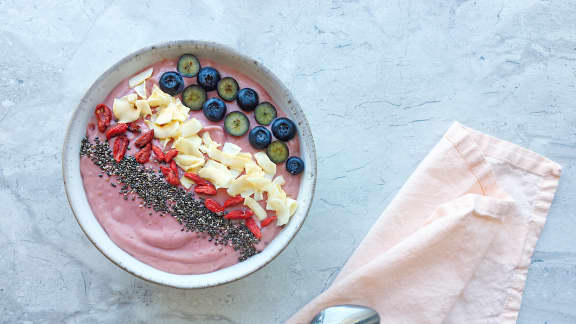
<point>454,245</point>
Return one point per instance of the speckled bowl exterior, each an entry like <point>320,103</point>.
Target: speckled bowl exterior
<point>127,67</point>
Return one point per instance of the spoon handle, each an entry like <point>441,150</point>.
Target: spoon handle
<point>346,314</point>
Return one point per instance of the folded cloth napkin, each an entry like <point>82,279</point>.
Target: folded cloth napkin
<point>454,245</point>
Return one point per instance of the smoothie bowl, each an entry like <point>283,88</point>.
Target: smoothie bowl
<point>189,165</point>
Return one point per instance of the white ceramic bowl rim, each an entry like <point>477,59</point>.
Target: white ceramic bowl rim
<point>132,64</point>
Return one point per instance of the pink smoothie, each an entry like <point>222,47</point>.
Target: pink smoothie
<point>158,240</point>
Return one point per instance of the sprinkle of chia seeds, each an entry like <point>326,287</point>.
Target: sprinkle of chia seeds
<point>149,185</point>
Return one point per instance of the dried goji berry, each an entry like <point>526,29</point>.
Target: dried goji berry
<point>205,189</point>
<point>197,179</point>
<point>213,206</point>
<point>134,127</point>
<point>119,149</point>
<point>238,214</point>
<point>233,201</point>
<point>268,220</point>
<point>158,152</point>
<point>253,227</point>
<point>165,171</point>
<point>116,130</point>
<point>174,166</point>
<point>172,179</point>
<point>145,139</point>
<point>103,116</point>
<point>143,155</point>
<point>170,155</point>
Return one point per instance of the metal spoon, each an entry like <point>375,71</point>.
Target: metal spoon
<point>347,314</point>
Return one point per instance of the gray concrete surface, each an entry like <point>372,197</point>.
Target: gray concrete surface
<point>380,82</point>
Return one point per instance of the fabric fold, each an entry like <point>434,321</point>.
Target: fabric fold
<point>455,243</point>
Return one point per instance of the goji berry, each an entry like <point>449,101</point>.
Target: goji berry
<point>143,155</point>
<point>144,139</point>
<point>119,149</point>
<point>233,201</point>
<point>197,179</point>
<point>213,206</point>
<point>165,171</point>
<point>253,227</point>
<point>103,116</point>
<point>268,220</point>
<point>134,127</point>
<point>238,214</point>
<point>170,155</point>
<point>174,166</point>
<point>172,179</point>
<point>158,152</point>
<point>205,189</point>
<point>118,129</point>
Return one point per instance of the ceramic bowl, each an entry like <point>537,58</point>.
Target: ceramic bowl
<point>127,67</point>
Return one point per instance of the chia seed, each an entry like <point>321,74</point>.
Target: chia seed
<point>149,185</point>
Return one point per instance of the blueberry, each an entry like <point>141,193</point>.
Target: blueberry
<point>260,137</point>
<point>283,129</point>
<point>214,109</point>
<point>171,83</point>
<point>294,165</point>
<point>247,99</point>
<point>208,78</point>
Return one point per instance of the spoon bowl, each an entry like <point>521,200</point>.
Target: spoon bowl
<point>347,314</point>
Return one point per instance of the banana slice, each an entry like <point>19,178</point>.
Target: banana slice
<point>180,111</point>
<point>258,195</point>
<point>264,161</point>
<point>186,182</point>
<point>217,173</point>
<point>124,111</point>
<point>258,181</point>
<point>255,207</point>
<point>252,168</point>
<point>144,108</point>
<point>190,127</point>
<point>159,97</point>
<point>164,131</point>
<point>239,186</point>
<point>141,90</point>
<point>131,97</point>
<point>189,145</point>
<point>231,148</point>
<point>189,162</point>
<point>140,77</point>
<point>279,180</point>
<point>235,162</point>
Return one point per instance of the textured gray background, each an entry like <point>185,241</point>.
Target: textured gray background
<point>380,82</point>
